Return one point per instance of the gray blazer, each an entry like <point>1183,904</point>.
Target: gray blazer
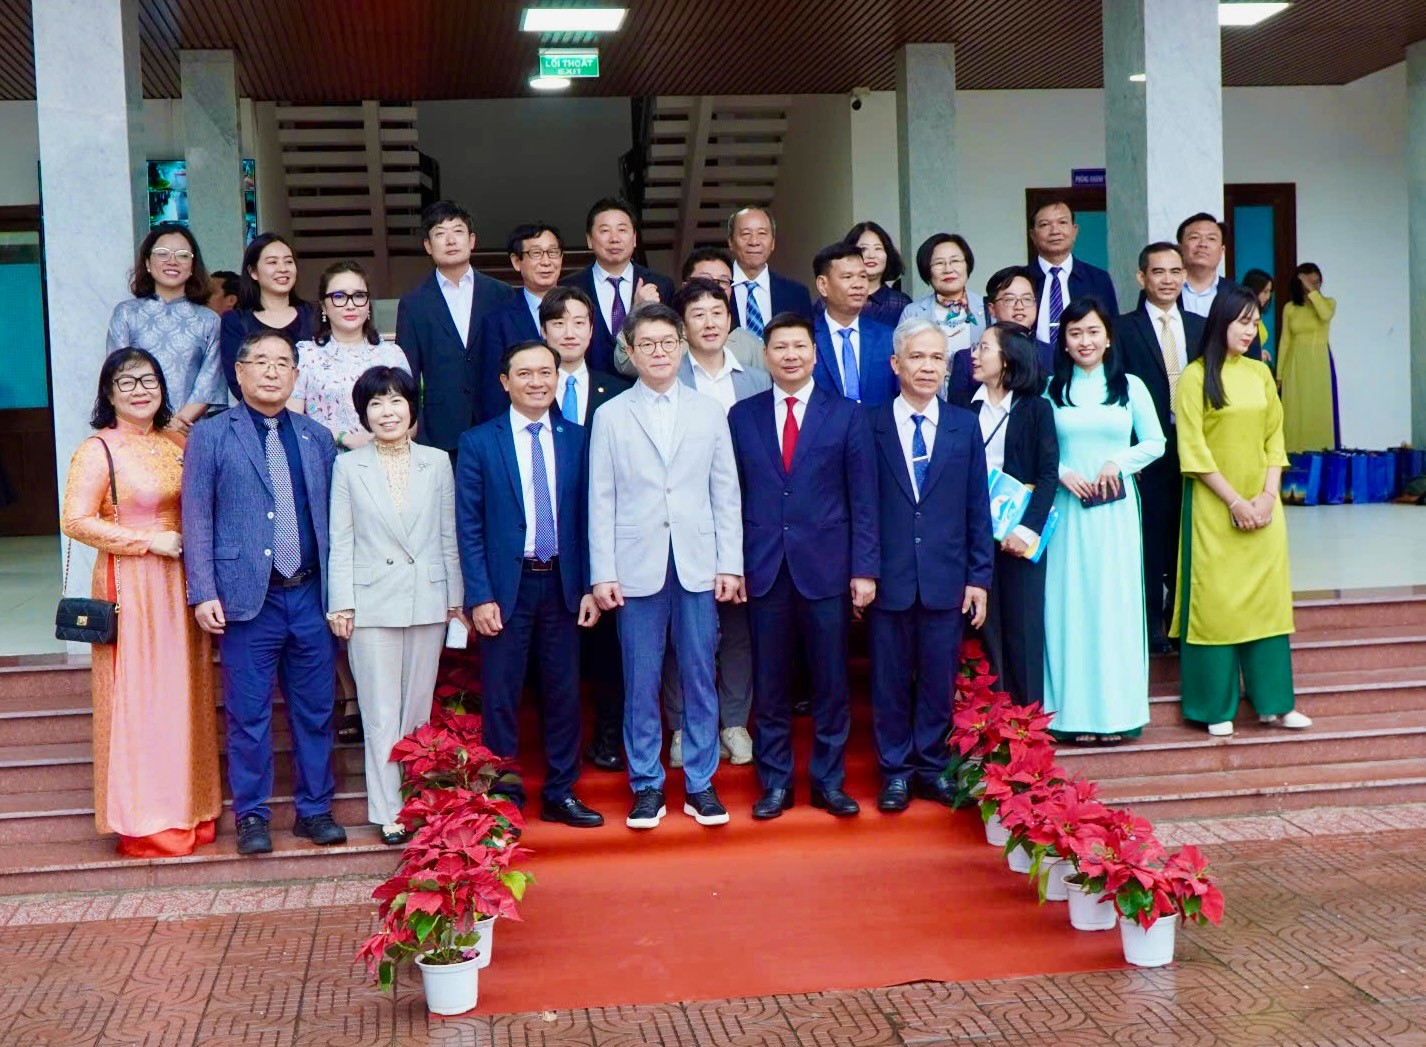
<point>394,569</point>
<point>640,504</point>
<point>925,309</point>
<point>747,349</point>
<point>745,382</point>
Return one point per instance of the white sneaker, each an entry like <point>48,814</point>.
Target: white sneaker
<point>675,750</point>
<point>1292,719</point>
<point>1221,730</point>
<point>738,743</point>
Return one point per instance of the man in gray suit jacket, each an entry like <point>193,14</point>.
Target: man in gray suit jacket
<point>665,546</point>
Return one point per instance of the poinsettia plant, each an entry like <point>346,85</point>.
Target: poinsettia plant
<point>458,680</point>
<point>447,753</point>
<point>1194,893</point>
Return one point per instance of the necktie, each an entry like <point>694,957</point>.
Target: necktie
<point>789,435</point>
<point>286,546</point>
<point>617,313</point>
<point>1057,301</point>
<point>920,457</point>
<point>569,406</point>
<point>851,377</point>
<point>755,315</point>
<point>1168,346</point>
<point>545,546</point>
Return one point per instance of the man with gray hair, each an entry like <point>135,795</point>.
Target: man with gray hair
<point>752,237</point>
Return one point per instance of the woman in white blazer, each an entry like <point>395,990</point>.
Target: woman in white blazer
<point>945,261</point>
<point>393,580</point>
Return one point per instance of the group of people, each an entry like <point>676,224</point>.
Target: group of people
<point>682,496</point>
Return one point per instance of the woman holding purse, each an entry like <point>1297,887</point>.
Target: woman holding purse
<point>393,576</point>
<point>155,731</point>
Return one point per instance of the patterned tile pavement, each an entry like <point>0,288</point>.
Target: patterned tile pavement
<point>1324,945</point>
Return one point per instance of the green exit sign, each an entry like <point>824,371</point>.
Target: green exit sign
<point>574,63</point>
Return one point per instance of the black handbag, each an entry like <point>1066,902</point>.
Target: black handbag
<point>83,619</point>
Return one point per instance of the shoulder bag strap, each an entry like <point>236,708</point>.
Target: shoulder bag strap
<point>114,496</point>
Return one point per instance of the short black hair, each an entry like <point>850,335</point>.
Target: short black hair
<point>228,279</point>
<point>646,312</point>
<point>249,342</point>
<point>1054,201</point>
<point>823,259</point>
<point>520,347</point>
<point>1020,358</point>
<point>610,203</point>
<point>1256,280</point>
<point>1158,247</point>
<point>104,416</point>
<point>1193,219</point>
<point>785,319</point>
<point>515,242</point>
<point>706,254</point>
<point>695,290</point>
<point>935,240</point>
<point>379,381</point>
<point>1003,278</point>
<point>552,305</point>
<point>894,268</point>
<point>444,211</point>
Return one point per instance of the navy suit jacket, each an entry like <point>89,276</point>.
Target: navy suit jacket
<point>450,370</point>
<point>508,325</point>
<point>228,502</point>
<point>1084,280</point>
<point>601,347</point>
<point>490,513</point>
<point>821,518</point>
<point>934,546</point>
<point>878,382</point>
<point>962,386</point>
<point>788,296</point>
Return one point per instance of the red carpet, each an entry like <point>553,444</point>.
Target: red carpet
<point>800,904</point>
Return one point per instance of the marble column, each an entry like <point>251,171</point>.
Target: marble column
<point>1163,129</point>
<point>213,150</point>
<point>1416,231</point>
<point>926,146</point>
<point>93,180</point>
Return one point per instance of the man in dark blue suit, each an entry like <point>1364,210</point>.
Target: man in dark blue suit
<point>613,281</point>
<point>811,553</point>
<point>937,557</point>
<point>1009,298</point>
<point>438,324</point>
<point>752,237</point>
<point>256,481</point>
<point>1202,242</point>
<point>853,351</point>
<point>1060,277</point>
<point>520,518</point>
<point>537,255</point>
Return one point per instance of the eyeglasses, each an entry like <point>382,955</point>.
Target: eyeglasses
<point>163,254</point>
<point>341,298</point>
<point>724,282</point>
<point>264,365</point>
<point>539,254</point>
<point>127,383</point>
<point>1008,300</point>
<point>665,345</point>
<point>941,265</point>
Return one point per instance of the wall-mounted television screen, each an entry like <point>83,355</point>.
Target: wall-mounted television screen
<point>168,194</point>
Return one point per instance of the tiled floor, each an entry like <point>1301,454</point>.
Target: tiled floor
<point>1324,944</point>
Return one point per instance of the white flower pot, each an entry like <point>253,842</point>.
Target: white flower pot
<point>996,834</point>
<point>486,942</point>
<point>1055,870</point>
<point>1151,948</point>
<point>1085,911</point>
<point>451,988</point>
<point>1019,860</point>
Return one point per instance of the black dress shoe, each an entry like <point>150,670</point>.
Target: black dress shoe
<point>772,803</point>
<point>802,707</point>
<point>1161,644</point>
<point>938,791</point>
<point>895,796</point>
<point>570,811</point>
<point>394,835</point>
<point>647,811</point>
<point>834,801</point>
<point>320,829</point>
<point>607,752</point>
<point>254,836</point>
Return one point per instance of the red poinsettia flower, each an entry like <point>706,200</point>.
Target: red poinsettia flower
<point>1194,893</point>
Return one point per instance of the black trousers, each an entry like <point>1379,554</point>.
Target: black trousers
<point>1161,496</point>
<point>602,667</point>
<point>1014,629</point>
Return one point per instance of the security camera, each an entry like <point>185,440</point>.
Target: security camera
<point>859,95</point>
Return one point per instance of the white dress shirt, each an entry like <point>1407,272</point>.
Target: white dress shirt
<point>720,385</point>
<point>1198,302</point>
<point>799,408</point>
<point>762,291</point>
<point>906,431</point>
<point>663,414</point>
<point>1042,322</point>
<point>581,392</point>
<point>994,421</point>
<point>460,299</point>
<point>836,330</point>
<point>533,302</point>
<point>524,459</point>
<point>604,292</point>
<point>1156,316</point>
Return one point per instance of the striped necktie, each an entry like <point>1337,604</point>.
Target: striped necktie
<point>755,314</point>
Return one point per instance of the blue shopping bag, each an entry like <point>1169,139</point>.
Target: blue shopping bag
<point>1336,470</point>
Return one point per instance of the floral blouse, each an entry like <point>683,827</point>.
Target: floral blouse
<point>327,373</point>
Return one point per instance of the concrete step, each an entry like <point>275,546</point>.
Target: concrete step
<point>1354,608</point>
<point>1356,691</point>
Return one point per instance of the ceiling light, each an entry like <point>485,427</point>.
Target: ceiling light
<point>1245,14</point>
<point>1137,78</point>
<point>549,83</point>
<point>573,19</point>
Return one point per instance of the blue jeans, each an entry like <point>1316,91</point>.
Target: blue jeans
<point>644,624</point>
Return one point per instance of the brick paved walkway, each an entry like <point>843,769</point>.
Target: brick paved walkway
<point>1324,944</point>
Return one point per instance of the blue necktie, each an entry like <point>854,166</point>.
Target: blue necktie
<point>617,313</point>
<point>851,377</point>
<point>545,544</point>
<point>920,457</point>
<point>286,545</point>
<point>755,315</point>
<point>1057,302</point>
<point>569,406</point>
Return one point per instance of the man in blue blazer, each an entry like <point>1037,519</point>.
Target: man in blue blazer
<point>520,522</point>
<point>255,491</point>
<point>811,556</point>
<point>853,351</point>
<point>439,322</point>
<point>613,281</point>
<point>537,255</point>
<point>1060,278</point>
<point>752,237</point>
<point>1009,298</point>
<point>937,557</point>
